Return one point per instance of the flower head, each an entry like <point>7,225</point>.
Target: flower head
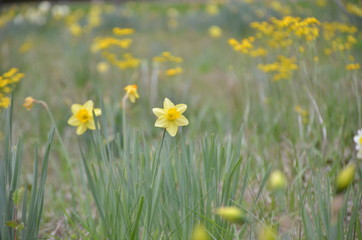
<point>83,116</point>
<point>358,140</point>
<point>199,233</point>
<point>131,92</point>
<point>232,214</point>
<point>170,117</point>
<point>277,180</point>
<point>28,103</point>
<point>345,177</point>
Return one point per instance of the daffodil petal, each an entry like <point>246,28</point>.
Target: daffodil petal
<point>181,108</point>
<point>167,104</point>
<point>89,105</point>
<point>132,98</point>
<point>97,111</point>
<point>159,112</point>
<point>75,108</point>
<point>181,121</point>
<point>73,121</point>
<point>81,129</point>
<point>172,129</point>
<point>162,122</point>
<point>91,125</point>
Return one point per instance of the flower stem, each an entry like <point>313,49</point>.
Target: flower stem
<point>124,124</point>
<point>158,156</point>
<point>45,105</point>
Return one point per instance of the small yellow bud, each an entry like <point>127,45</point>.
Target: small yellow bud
<point>266,233</point>
<point>277,180</point>
<point>345,177</point>
<point>28,103</point>
<point>102,67</point>
<point>200,233</point>
<point>215,31</point>
<point>232,214</point>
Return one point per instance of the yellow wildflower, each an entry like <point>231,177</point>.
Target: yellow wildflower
<point>102,67</point>
<point>266,233</point>
<point>174,71</point>
<point>83,116</point>
<point>131,92</point>
<point>345,177</point>
<point>170,117</point>
<point>215,31</point>
<point>277,180</point>
<point>123,31</point>
<point>199,233</point>
<point>353,66</point>
<point>28,103</point>
<point>232,214</point>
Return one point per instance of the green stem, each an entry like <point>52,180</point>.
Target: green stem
<point>124,125</point>
<point>158,156</point>
<point>45,105</point>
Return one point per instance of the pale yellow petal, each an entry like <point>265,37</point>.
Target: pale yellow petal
<point>159,112</point>
<point>81,129</point>
<point>91,125</point>
<point>89,105</point>
<point>181,121</point>
<point>132,98</point>
<point>97,112</point>
<point>167,104</point>
<point>181,108</point>
<point>75,108</point>
<point>73,121</point>
<point>162,122</point>
<point>172,129</point>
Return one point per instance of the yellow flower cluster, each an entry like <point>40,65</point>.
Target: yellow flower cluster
<point>282,68</point>
<point>74,19</point>
<point>104,44</point>
<point>354,9</point>
<point>340,35</point>
<point>281,32</point>
<point>245,46</point>
<point>7,80</point>
<point>167,58</point>
<point>353,66</point>
<point>122,31</point>
<point>127,61</point>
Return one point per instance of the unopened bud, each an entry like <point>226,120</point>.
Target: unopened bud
<point>345,177</point>
<point>277,180</point>
<point>232,214</point>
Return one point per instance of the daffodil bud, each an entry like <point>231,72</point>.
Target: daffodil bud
<point>345,177</point>
<point>266,233</point>
<point>232,214</point>
<point>200,233</point>
<point>277,180</point>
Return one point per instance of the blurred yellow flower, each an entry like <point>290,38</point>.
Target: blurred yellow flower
<point>102,67</point>
<point>131,92</point>
<point>232,214</point>
<point>200,233</point>
<point>170,117</point>
<point>266,233</point>
<point>215,31</point>
<point>28,103</point>
<point>174,71</point>
<point>123,31</point>
<point>345,177</point>
<point>353,66</point>
<point>83,116</point>
<point>277,180</point>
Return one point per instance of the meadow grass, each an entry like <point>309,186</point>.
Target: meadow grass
<point>130,180</point>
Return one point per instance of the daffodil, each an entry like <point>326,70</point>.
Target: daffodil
<point>170,117</point>
<point>131,92</point>
<point>28,103</point>
<point>83,116</point>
